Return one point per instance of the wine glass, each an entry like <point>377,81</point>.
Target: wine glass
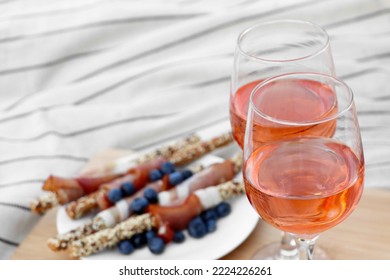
<point>266,50</point>
<point>303,179</point>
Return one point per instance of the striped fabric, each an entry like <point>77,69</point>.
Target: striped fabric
<point>80,76</point>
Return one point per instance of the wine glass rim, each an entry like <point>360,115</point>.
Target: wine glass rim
<point>346,108</point>
<point>293,21</point>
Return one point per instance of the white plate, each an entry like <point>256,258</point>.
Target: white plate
<point>231,232</point>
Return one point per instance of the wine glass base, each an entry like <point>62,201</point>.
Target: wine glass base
<point>273,252</point>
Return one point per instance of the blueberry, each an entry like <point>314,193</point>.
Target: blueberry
<point>150,234</point>
<point>179,237</point>
<point>209,215</point>
<point>151,195</point>
<point>155,175</point>
<point>223,209</point>
<point>139,205</point>
<point>138,240</point>
<point>128,188</point>
<point>211,225</point>
<point>156,245</point>
<point>167,168</point>
<point>115,195</point>
<point>197,228</point>
<point>186,174</point>
<point>175,178</point>
<point>125,247</point>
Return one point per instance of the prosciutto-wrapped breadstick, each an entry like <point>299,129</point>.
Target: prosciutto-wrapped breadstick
<point>181,157</point>
<point>122,164</point>
<point>192,152</point>
<point>176,217</point>
<point>137,176</point>
<point>67,190</point>
<point>215,174</point>
<point>210,176</point>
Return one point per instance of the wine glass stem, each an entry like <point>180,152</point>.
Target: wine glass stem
<point>306,247</point>
<point>288,248</point>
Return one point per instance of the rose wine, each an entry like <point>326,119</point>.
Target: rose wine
<point>288,101</point>
<point>304,186</point>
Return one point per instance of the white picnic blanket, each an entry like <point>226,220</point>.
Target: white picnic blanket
<point>80,76</point>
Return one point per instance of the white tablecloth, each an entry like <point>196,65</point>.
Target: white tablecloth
<point>79,76</point>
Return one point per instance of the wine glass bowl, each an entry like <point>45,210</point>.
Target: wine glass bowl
<point>303,101</point>
<point>310,177</point>
<point>269,49</point>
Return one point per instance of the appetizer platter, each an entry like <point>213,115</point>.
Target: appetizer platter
<point>174,202</point>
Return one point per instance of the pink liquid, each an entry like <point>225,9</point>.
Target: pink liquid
<point>304,186</point>
<point>288,100</point>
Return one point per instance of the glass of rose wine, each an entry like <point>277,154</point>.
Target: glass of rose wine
<point>266,50</point>
<point>308,176</point>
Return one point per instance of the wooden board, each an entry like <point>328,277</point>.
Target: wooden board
<point>364,235</point>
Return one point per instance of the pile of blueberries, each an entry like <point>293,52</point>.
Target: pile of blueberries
<point>198,227</point>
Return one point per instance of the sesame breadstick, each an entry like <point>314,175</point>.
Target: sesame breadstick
<point>128,162</point>
<point>197,150</point>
